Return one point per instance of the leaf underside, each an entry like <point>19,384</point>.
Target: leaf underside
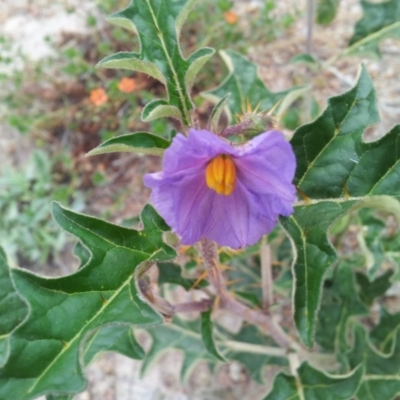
<point>138,142</point>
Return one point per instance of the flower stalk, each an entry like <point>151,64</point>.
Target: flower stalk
<point>226,301</point>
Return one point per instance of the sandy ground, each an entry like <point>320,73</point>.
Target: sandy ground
<point>27,23</point>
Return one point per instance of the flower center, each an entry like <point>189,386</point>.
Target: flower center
<point>221,174</point>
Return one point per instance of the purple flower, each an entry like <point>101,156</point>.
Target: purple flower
<point>232,194</point>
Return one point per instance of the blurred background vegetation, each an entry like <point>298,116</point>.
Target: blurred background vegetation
<point>62,106</point>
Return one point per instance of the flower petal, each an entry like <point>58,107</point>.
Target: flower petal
<point>196,149</point>
<point>265,168</point>
<point>266,165</point>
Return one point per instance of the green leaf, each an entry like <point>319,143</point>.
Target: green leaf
<point>312,384</point>
<point>172,273</point>
<point>207,335</point>
<point>304,58</point>
<point>369,290</point>
<point>244,275</point>
<point>314,255</point>
<point>338,170</point>
<point>181,335</point>
<point>246,88</point>
<point>81,252</point>
<point>377,245</point>
<point>12,309</point>
<point>326,11</point>
<point>383,334</point>
<point>138,142</point>
<point>44,350</point>
<point>332,159</point>
<point>253,349</point>
<point>158,24</point>
<point>339,303</point>
<point>117,338</point>
<point>59,397</point>
<point>217,112</point>
<point>370,241</point>
<point>379,21</point>
<point>382,370</point>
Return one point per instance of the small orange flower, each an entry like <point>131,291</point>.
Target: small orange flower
<point>231,17</point>
<point>98,96</point>
<point>127,85</point>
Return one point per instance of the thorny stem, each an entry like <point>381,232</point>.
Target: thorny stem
<point>251,124</point>
<point>266,274</point>
<point>236,129</point>
<point>229,303</point>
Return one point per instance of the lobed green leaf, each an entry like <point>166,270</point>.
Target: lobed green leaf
<point>307,228</point>
<point>158,24</point>
<point>383,334</point>
<point>118,338</point>
<point>180,335</point>
<point>312,384</point>
<point>369,290</point>
<point>45,350</point>
<point>12,309</point>
<point>336,171</point>
<point>332,159</point>
<point>382,370</point>
<point>379,21</point>
<point>340,302</point>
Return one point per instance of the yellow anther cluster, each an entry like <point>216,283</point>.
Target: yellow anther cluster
<point>221,174</point>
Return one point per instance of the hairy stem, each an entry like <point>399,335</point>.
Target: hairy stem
<point>202,305</point>
<point>251,124</point>
<point>236,129</point>
<point>228,302</point>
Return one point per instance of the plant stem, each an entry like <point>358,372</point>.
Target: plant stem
<point>266,275</point>
<point>253,348</point>
<point>310,24</point>
<point>236,129</point>
<point>228,302</point>
<point>252,124</point>
<point>294,364</point>
<point>202,305</point>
